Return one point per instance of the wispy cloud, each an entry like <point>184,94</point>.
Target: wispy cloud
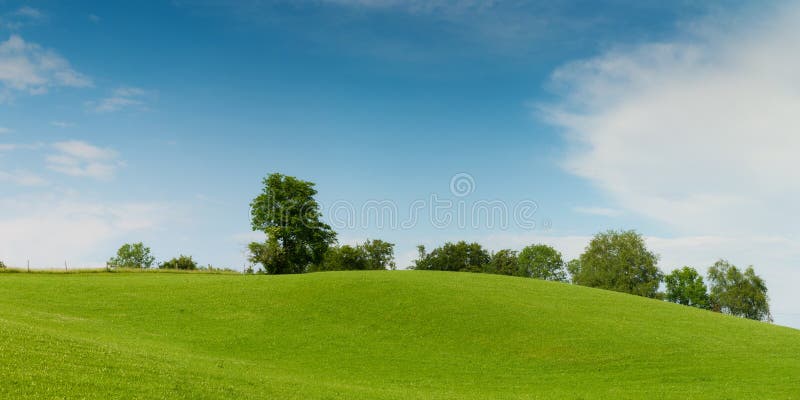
<point>121,98</point>
<point>30,68</point>
<point>29,12</point>
<point>94,18</point>
<point>4,130</point>
<point>77,158</point>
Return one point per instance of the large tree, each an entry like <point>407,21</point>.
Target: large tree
<point>743,294</point>
<point>288,214</point>
<point>541,261</point>
<point>132,255</point>
<point>619,261</point>
<point>685,286</point>
<point>461,256</point>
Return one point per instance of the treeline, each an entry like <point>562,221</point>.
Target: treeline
<point>298,241</point>
<point>618,261</point>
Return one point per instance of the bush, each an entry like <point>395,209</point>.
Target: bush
<point>2,265</point>
<point>182,262</point>
<point>371,255</point>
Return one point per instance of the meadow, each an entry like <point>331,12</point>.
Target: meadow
<point>373,335</point>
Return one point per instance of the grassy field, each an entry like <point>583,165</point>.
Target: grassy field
<point>373,335</point>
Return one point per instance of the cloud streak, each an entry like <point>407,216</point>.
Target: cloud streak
<point>29,68</point>
<point>77,158</point>
<point>121,98</point>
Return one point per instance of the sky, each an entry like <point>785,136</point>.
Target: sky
<point>503,122</point>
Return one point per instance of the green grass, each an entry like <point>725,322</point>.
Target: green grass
<point>373,335</point>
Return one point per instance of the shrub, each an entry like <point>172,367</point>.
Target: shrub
<point>2,265</point>
<point>182,262</point>
<point>371,255</point>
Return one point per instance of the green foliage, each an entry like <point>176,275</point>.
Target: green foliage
<point>378,254</point>
<point>619,261</point>
<point>737,293</point>
<point>345,335</point>
<point>574,269</point>
<point>2,265</point>
<point>182,262</point>
<point>461,256</point>
<point>685,286</point>
<point>371,255</point>
<point>288,214</point>
<point>504,262</point>
<point>132,255</point>
<point>542,262</point>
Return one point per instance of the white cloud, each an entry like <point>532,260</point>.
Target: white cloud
<point>121,98</point>
<point>28,67</point>
<point>49,229</point>
<point>29,12</point>
<point>77,158</point>
<point>4,130</point>
<point>699,133</point>
<point>601,211</point>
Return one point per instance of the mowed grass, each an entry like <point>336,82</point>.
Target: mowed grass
<point>373,335</point>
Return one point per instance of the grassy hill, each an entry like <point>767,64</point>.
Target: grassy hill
<point>373,335</point>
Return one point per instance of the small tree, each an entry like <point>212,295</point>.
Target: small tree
<point>2,265</point>
<point>504,262</point>
<point>288,214</point>
<point>182,262</point>
<point>685,286</point>
<point>132,255</point>
<point>737,293</point>
<point>378,254</point>
<point>619,261</point>
<point>542,262</point>
<point>461,256</point>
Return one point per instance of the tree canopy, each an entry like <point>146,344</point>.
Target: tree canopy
<point>132,255</point>
<point>743,294</point>
<point>619,261</point>
<point>461,256</point>
<point>685,286</point>
<point>541,261</point>
<point>504,262</point>
<point>288,214</point>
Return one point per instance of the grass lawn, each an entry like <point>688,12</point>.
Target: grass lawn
<point>373,335</point>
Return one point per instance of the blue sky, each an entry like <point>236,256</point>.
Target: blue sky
<point>155,121</point>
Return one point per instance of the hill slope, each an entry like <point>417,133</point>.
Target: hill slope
<point>376,335</point>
